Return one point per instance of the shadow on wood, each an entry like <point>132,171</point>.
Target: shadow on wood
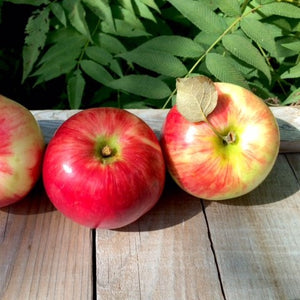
<point>36,202</point>
<point>174,207</point>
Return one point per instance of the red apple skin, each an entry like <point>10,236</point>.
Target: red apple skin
<point>104,192</point>
<point>21,151</point>
<point>203,165</point>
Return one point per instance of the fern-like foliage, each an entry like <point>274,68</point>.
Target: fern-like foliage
<point>129,53</point>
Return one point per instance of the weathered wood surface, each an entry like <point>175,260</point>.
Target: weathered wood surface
<point>288,120</point>
<point>42,254</point>
<point>184,248</point>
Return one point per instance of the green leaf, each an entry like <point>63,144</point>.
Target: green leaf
<point>281,9</point>
<point>293,72</point>
<point>115,67</point>
<point>224,70</point>
<point>175,45</point>
<point>292,98</point>
<point>110,43</point>
<point>30,2</point>
<point>36,31</point>
<point>229,7</point>
<point>144,11</point>
<point>126,13</point>
<point>101,9</point>
<point>52,70</point>
<point>152,4</point>
<point>57,53</point>
<point>142,85</point>
<point>200,15</point>
<point>68,35</point>
<point>287,46</point>
<point>59,12</point>
<point>127,5</point>
<point>294,45</point>
<point>243,49</point>
<point>76,16</point>
<point>99,55</point>
<point>96,71</point>
<point>75,88</point>
<point>55,62</point>
<point>261,34</point>
<point>157,61</point>
<point>124,29</point>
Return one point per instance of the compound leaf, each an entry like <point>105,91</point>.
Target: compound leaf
<point>96,71</point>
<point>144,11</point>
<point>261,34</point>
<point>59,12</point>
<point>142,85</point>
<point>157,61</point>
<point>110,43</point>
<point>76,16</point>
<point>200,15</point>
<point>99,55</point>
<point>151,4</point>
<point>175,45</point>
<point>293,72</point>
<point>75,88</point>
<point>224,70</point>
<point>243,49</point>
<point>281,9</point>
<point>229,7</point>
<point>101,9</point>
<point>36,30</point>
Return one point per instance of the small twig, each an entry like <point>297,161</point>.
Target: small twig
<point>234,23</point>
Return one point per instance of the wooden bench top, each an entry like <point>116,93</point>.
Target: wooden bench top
<point>184,248</point>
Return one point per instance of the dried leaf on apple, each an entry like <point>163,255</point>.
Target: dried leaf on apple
<point>196,98</point>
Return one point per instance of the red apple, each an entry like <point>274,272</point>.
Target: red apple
<point>211,167</point>
<point>104,168</point>
<point>21,151</point>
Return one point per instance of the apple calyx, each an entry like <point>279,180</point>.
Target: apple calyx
<point>106,151</point>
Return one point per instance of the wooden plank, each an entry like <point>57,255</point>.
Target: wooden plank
<point>256,238</point>
<point>288,119</point>
<point>294,160</point>
<point>164,255</point>
<point>42,254</point>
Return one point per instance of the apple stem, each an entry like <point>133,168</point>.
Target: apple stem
<point>227,139</point>
<point>230,137</point>
<point>106,151</point>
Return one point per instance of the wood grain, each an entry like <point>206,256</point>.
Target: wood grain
<point>256,239</point>
<point>184,248</point>
<point>288,119</point>
<point>42,254</point>
<point>164,255</point>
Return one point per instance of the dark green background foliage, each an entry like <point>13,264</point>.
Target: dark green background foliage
<point>128,53</point>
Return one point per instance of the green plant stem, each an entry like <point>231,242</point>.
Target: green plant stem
<point>88,42</point>
<point>244,5</point>
<point>271,67</point>
<point>234,23</point>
